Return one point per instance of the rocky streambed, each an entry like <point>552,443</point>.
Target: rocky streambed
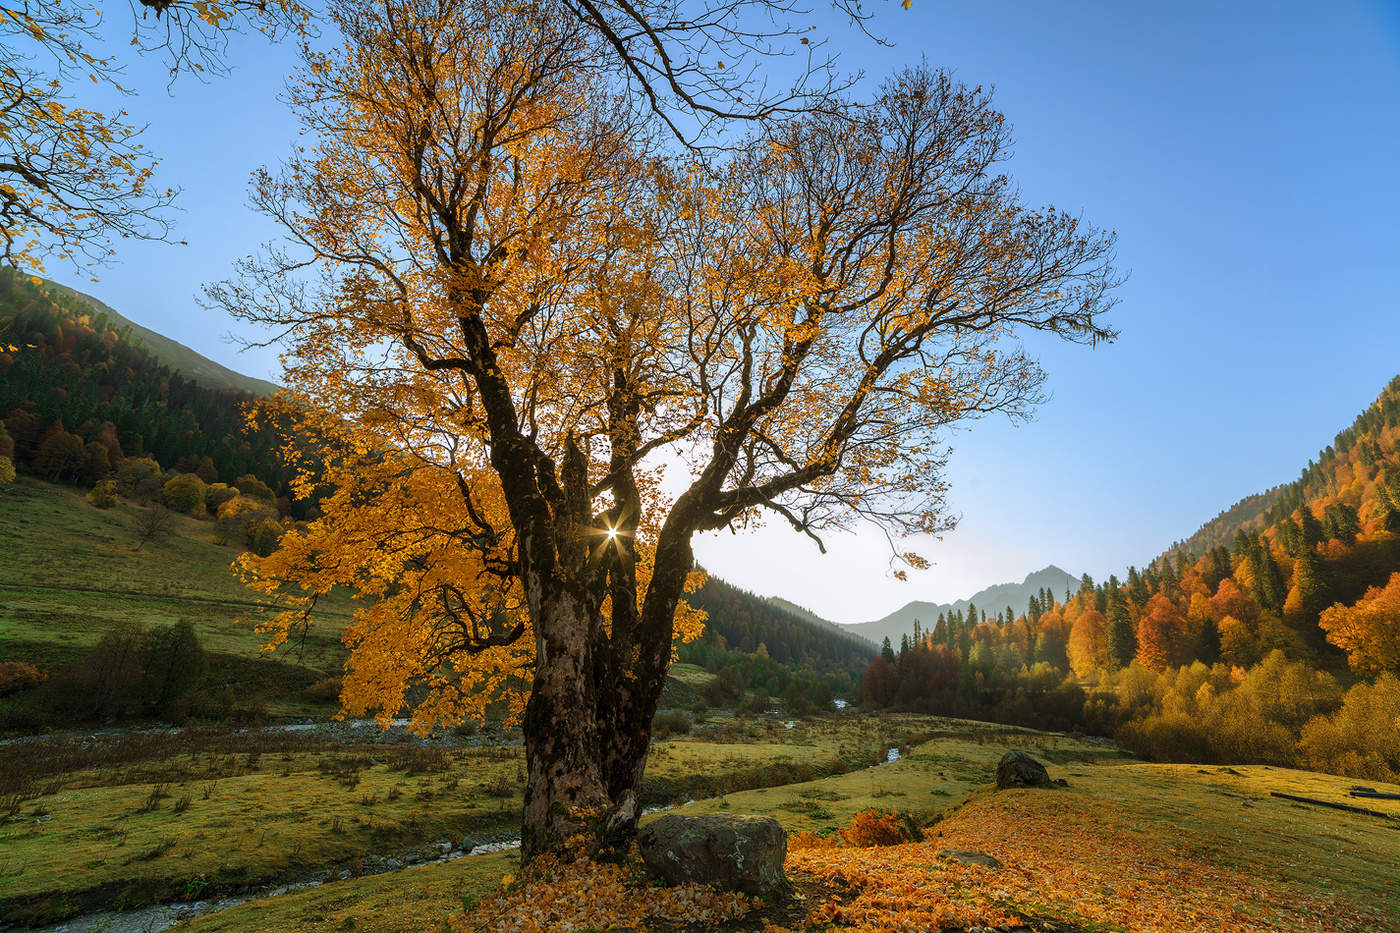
<point>159,917</point>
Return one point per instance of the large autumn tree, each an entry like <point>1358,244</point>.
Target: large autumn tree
<point>538,351</point>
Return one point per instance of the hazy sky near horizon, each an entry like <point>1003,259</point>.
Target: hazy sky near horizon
<point>1248,154</point>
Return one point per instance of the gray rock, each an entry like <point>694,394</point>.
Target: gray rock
<point>969,858</point>
<point>1017,769</point>
<point>728,852</point>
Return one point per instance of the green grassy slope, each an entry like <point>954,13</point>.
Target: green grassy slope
<point>71,571</point>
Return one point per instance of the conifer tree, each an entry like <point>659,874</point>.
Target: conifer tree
<point>1120,638</point>
<point>1310,593</point>
<point>1311,533</point>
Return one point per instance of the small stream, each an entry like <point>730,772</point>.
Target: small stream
<point>164,916</point>
<point>160,917</point>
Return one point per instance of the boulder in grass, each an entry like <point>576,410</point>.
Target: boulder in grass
<point>1017,769</point>
<point>964,857</point>
<point>730,853</point>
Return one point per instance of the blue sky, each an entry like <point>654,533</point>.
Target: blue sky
<point>1248,154</point>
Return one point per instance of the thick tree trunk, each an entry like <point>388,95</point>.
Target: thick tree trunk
<point>588,720</point>
<point>565,793</point>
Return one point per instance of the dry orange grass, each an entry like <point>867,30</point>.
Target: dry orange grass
<point>1075,859</point>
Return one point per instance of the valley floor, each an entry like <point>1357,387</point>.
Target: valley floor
<point>1126,846</point>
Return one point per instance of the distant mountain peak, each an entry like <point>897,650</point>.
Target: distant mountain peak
<point>993,599</point>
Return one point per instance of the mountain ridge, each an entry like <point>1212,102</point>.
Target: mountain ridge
<point>993,598</point>
<point>170,352</point>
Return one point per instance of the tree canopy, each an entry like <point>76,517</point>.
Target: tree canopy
<point>541,347</point>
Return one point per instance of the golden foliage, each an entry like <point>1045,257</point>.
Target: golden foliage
<point>553,894</point>
<point>439,616</point>
<point>878,828</point>
<point>1369,631</point>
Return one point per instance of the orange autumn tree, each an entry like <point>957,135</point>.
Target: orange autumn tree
<point>1161,633</point>
<point>508,309</point>
<point>1369,631</point>
<point>1088,644</point>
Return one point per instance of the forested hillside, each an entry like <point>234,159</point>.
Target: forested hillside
<point>1282,647</point>
<point>167,352</point>
<point>740,621</point>
<point>79,396</point>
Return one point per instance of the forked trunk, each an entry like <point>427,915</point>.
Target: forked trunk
<point>588,720</point>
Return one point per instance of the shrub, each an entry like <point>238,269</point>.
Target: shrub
<point>133,671</point>
<point>499,787</point>
<point>263,536</point>
<point>104,494</point>
<point>323,691</point>
<point>175,667</point>
<point>237,517</point>
<point>216,494</point>
<point>673,722</point>
<point>870,828</point>
<point>19,675</point>
<point>250,485</point>
<point>7,471</point>
<point>139,478</point>
<point>805,840</point>
<point>153,525</point>
<point>1363,738</point>
<point>110,676</point>
<point>185,493</point>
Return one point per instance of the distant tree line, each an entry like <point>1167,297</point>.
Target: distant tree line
<point>1179,658</point>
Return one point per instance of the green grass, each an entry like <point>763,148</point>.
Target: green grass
<point>691,675</point>
<point>89,838</point>
<point>95,838</point>
<point>408,901</point>
<point>934,775</point>
<point>71,572</point>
